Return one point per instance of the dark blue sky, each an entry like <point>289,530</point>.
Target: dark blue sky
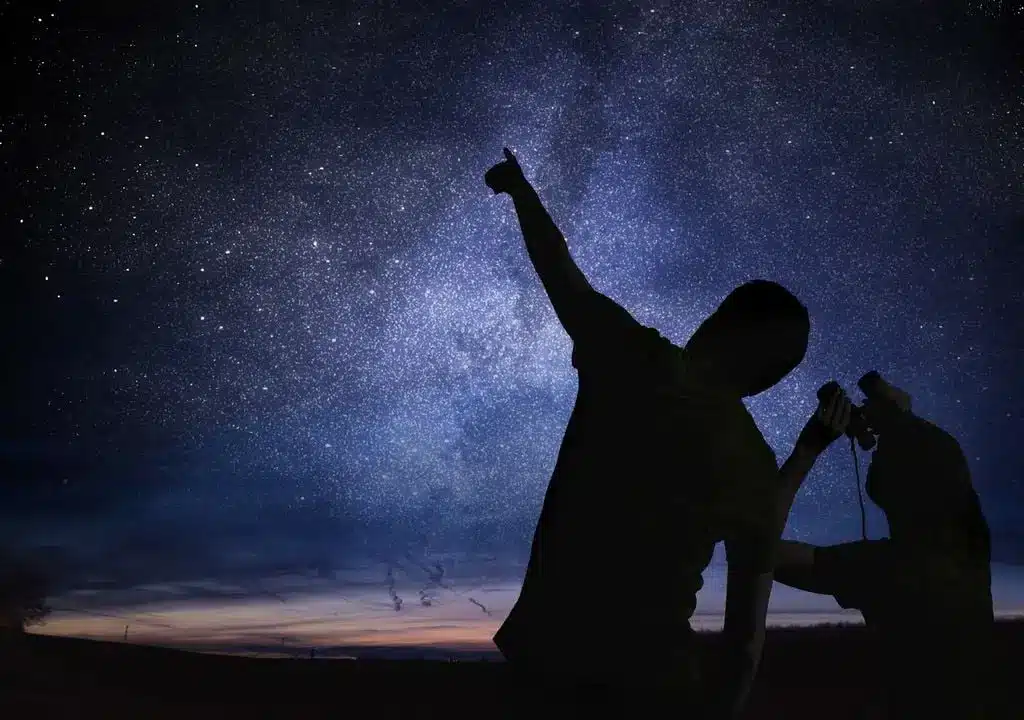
<point>263,316</point>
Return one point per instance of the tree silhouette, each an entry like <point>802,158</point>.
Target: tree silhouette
<point>23,592</point>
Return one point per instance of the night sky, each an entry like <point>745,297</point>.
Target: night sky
<point>276,362</point>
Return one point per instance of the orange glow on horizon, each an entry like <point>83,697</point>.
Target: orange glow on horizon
<point>366,618</point>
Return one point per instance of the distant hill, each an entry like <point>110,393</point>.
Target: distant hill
<point>807,673</point>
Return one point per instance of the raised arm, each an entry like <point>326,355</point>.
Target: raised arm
<point>579,307</point>
<point>752,554</point>
<point>827,424</point>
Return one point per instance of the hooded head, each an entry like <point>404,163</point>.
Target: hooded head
<point>754,339</point>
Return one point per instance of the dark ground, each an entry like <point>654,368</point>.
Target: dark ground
<point>806,673</point>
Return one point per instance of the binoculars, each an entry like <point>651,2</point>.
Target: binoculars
<point>858,428</point>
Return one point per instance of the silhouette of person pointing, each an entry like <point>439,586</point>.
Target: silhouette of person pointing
<point>659,462</point>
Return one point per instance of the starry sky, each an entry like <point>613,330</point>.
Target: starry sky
<point>276,364</point>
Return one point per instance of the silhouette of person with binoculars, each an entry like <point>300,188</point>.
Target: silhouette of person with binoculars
<point>925,589</point>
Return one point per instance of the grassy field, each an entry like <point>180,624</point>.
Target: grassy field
<point>806,673</point>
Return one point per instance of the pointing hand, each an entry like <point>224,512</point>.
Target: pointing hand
<point>506,176</point>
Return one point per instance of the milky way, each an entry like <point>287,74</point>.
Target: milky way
<point>259,275</point>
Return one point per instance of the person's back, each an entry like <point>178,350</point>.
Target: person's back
<point>919,477</point>
<point>936,628</point>
<point>925,591</point>
<point>633,511</point>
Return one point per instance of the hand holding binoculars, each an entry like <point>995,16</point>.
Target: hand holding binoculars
<point>858,429</point>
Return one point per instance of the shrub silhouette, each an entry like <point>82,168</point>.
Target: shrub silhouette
<point>23,592</point>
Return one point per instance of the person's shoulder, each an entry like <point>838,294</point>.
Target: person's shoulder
<point>659,355</point>
<point>752,433</point>
<point>740,465</point>
<point>651,339</point>
<point>642,345</point>
<point>937,437</point>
